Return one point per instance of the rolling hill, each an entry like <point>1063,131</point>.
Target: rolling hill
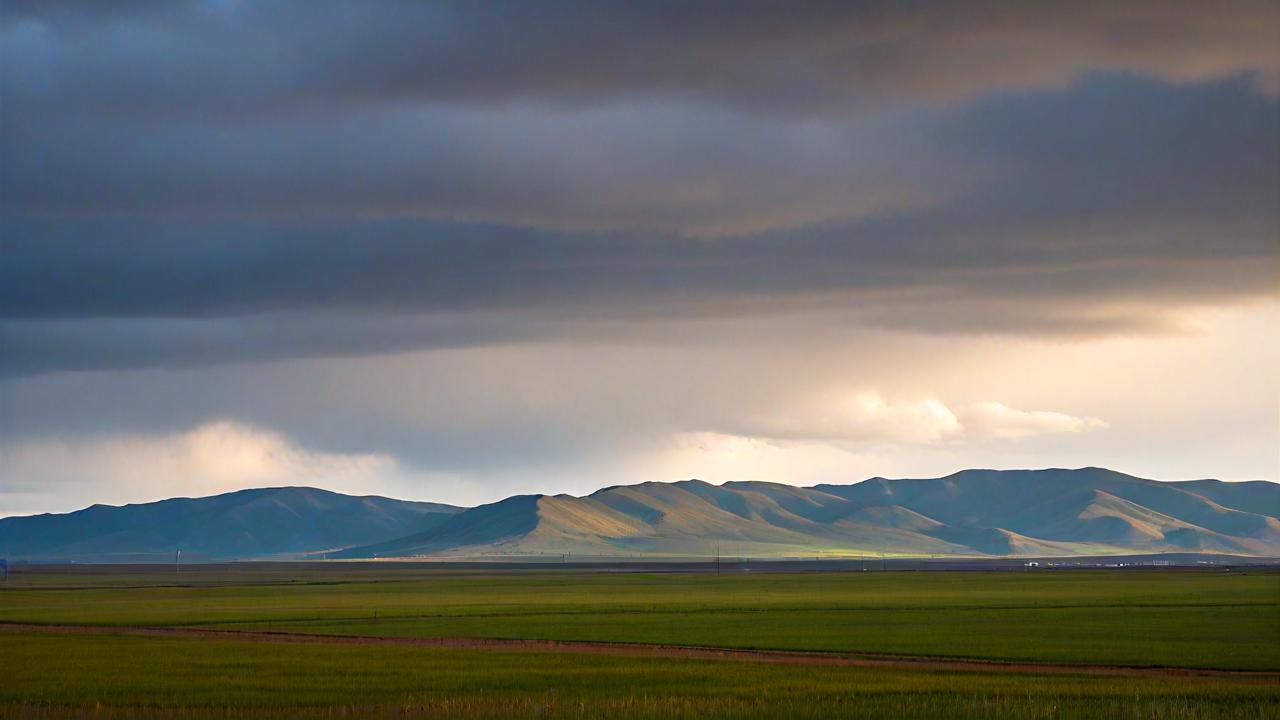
<point>973,512</point>
<point>287,521</point>
<point>1088,511</point>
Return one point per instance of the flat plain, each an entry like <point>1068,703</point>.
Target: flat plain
<point>1149,643</point>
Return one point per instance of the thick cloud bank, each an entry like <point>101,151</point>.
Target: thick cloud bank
<point>269,201</point>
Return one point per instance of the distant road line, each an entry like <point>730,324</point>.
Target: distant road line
<point>655,650</point>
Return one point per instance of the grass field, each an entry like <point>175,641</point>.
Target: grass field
<point>45,675</point>
<point>1181,619</point>
<point>1176,619</point>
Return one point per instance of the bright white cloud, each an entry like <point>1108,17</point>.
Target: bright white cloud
<point>1001,421</point>
<point>859,417</point>
<point>868,417</point>
<point>858,438</point>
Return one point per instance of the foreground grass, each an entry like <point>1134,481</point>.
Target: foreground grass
<point>117,676</point>
<point>1181,619</point>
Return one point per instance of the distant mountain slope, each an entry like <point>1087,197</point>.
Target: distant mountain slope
<point>244,524</point>
<point>973,512</point>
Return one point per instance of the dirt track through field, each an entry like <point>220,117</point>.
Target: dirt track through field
<point>653,650</point>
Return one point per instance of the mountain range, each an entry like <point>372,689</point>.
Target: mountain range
<point>1087,511</point>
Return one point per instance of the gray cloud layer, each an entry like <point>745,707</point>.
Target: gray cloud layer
<point>228,58</point>
<point>203,183</point>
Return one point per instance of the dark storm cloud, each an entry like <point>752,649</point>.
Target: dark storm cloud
<point>623,167</point>
<point>112,343</point>
<point>164,58</point>
<point>1113,150</point>
<point>206,183</point>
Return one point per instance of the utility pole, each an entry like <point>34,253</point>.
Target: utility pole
<point>717,558</point>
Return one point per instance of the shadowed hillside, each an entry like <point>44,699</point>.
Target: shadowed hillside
<point>248,523</point>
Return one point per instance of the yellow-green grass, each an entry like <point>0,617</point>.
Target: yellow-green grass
<point>116,676</point>
<point>1148,618</point>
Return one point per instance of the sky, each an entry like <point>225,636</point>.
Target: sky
<point>458,251</point>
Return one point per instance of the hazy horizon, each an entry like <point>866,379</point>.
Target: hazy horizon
<point>453,253</point>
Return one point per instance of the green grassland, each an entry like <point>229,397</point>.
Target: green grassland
<point>1181,619</point>
<point>121,676</point>
<point>1225,620</point>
